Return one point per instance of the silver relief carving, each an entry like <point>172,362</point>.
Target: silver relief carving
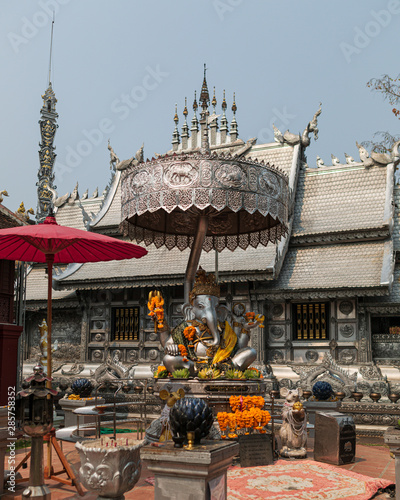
<point>231,175</point>
<point>347,356</point>
<point>276,332</point>
<point>180,175</point>
<point>269,183</point>
<point>277,310</point>
<point>132,355</point>
<point>312,356</point>
<point>140,182</point>
<point>206,173</point>
<point>346,330</point>
<point>153,354</point>
<point>346,307</point>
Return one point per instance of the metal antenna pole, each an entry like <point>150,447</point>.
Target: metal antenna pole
<point>51,46</point>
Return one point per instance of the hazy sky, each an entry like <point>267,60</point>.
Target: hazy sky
<point>281,58</point>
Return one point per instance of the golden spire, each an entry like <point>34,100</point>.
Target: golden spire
<point>234,107</point>
<point>185,110</point>
<point>214,100</point>
<point>176,119</point>
<point>224,105</point>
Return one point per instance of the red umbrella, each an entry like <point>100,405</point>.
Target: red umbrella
<point>51,243</point>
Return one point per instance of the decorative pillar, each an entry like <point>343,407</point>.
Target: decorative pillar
<point>48,127</point>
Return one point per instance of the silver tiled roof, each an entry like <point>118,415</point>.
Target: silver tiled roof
<point>71,215</point>
<point>340,199</point>
<point>36,286</point>
<point>168,266</point>
<point>345,265</point>
<point>274,154</point>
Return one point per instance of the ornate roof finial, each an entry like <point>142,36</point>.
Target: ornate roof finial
<point>234,128</point>
<point>234,107</point>
<point>185,110</point>
<point>195,103</point>
<point>224,105</point>
<point>176,119</point>
<point>214,101</point>
<point>204,96</point>
<point>175,135</point>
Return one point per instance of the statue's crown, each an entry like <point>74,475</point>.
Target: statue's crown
<point>204,285</point>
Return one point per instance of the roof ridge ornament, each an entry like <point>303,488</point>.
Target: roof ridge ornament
<point>312,127</point>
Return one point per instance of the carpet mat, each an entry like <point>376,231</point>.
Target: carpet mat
<point>301,480</point>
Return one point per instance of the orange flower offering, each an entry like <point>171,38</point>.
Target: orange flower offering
<point>248,416</point>
<point>190,332</point>
<point>246,402</point>
<point>182,350</point>
<point>155,305</point>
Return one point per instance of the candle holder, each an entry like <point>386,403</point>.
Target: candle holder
<point>190,438</point>
<point>340,395</point>
<point>357,396</point>
<point>394,397</point>
<point>375,396</point>
<point>307,395</point>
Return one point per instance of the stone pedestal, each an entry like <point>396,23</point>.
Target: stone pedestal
<point>9,335</point>
<point>392,439</point>
<point>199,474</point>
<point>314,406</point>
<point>70,418</point>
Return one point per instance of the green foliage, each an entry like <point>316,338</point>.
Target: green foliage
<point>252,374</point>
<point>209,372</point>
<point>234,374</point>
<point>181,373</point>
<point>161,374</point>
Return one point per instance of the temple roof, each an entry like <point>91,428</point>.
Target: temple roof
<point>167,267</point>
<point>36,289</point>
<point>341,198</point>
<point>366,265</point>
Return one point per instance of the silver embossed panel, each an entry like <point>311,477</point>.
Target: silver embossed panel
<point>244,200</point>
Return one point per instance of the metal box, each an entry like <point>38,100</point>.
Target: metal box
<point>335,438</point>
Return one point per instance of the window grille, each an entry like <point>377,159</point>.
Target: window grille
<point>125,322</point>
<point>311,321</point>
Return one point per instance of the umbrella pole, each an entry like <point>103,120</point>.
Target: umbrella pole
<point>194,256</point>
<point>49,260</point>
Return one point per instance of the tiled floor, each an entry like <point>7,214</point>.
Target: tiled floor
<point>372,460</point>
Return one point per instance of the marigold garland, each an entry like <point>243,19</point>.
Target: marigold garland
<point>182,350</point>
<point>190,332</point>
<point>247,414</point>
<point>155,305</point>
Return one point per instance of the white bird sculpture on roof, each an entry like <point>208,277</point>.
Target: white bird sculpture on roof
<point>320,162</point>
<point>278,136</point>
<point>349,159</point>
<point>335,160</point>
<point>364,155</point>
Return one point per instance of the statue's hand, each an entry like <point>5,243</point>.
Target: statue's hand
<point>172,350</point>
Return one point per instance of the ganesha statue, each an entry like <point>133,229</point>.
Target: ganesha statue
<point>206,336</point>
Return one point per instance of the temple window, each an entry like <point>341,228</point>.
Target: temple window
<point>125,322</point>
<point>311,321</point>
